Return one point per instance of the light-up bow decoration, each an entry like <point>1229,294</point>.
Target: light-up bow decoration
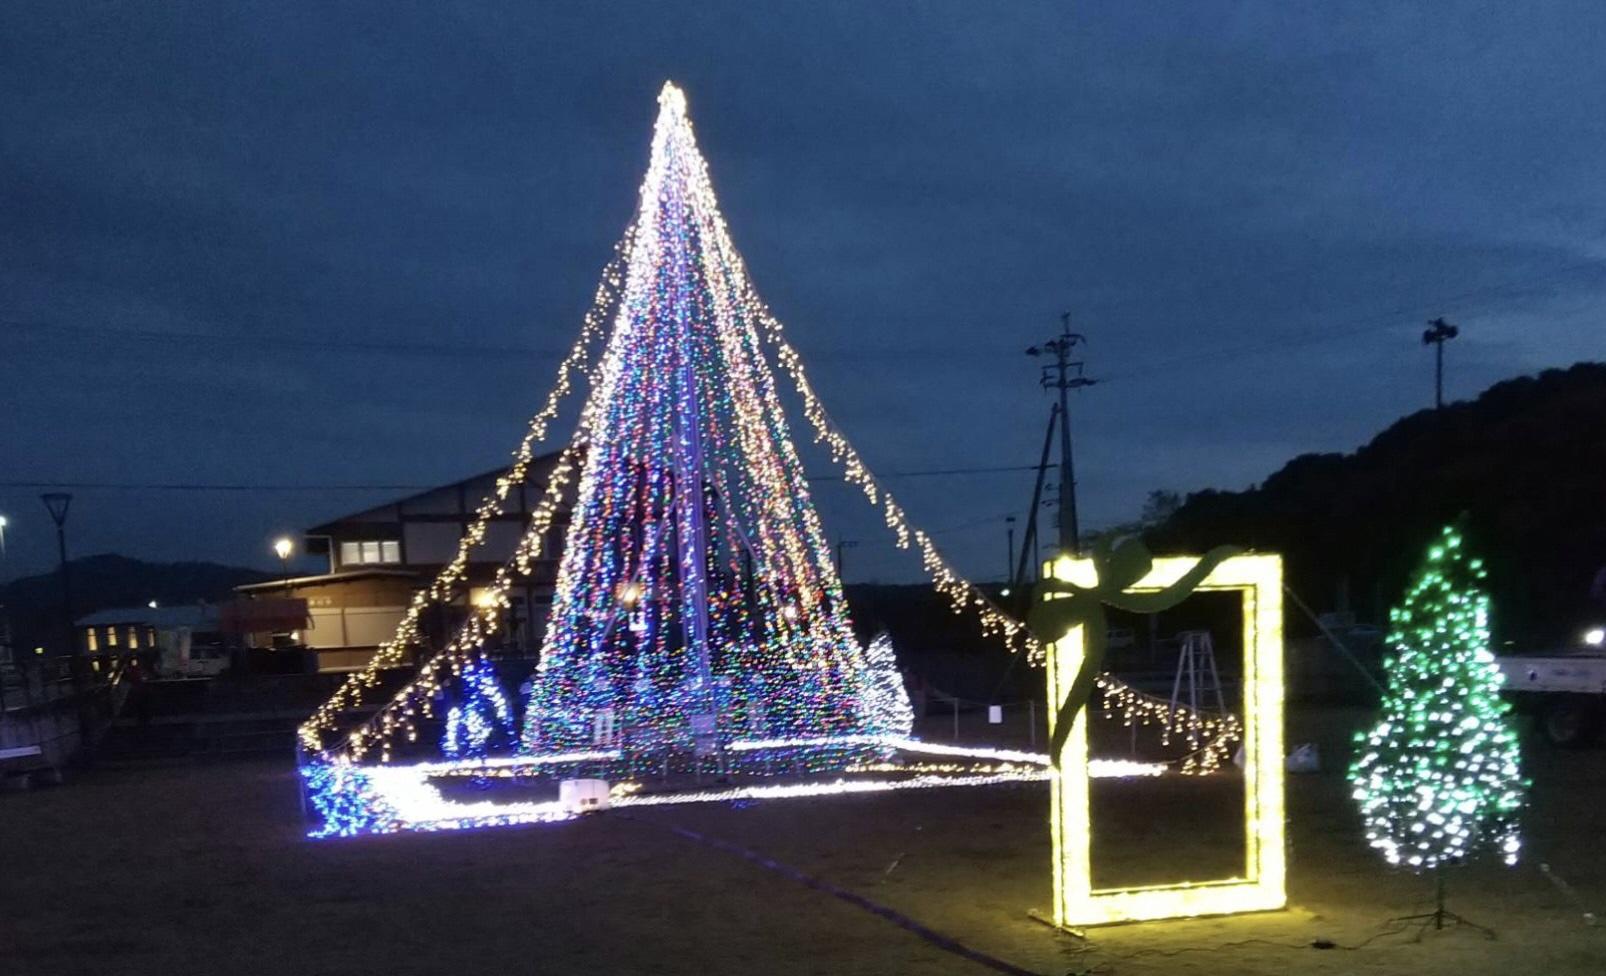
<point>1118,566</point>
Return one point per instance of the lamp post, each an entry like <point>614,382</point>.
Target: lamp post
<point>57,503</point>
<point>1436,335</point>
<point>3,524</point>
<point>283,547</point>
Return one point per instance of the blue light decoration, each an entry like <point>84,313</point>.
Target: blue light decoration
<point>474,724</point>
<point>345,801</point>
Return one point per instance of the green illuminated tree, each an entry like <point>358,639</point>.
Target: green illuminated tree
<point>1437,779</point>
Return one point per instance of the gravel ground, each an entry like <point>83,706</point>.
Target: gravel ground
<point>168,870</point>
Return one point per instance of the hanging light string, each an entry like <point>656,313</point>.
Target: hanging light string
<point>961,593</point>
<point>408,632</point>
<point>416,697</point>
<point>1209,736</point>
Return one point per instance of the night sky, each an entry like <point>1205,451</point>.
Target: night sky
<point>302,243</point>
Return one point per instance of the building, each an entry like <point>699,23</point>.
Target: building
<point>378,557</point>
<point>185,641</point>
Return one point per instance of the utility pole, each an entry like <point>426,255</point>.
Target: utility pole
<point>1437,334</point>
<point>1060,377</point>
<point>842,544</point>
<point>57,502</point>
<point>1009,561</point>
<point>1029,541</point>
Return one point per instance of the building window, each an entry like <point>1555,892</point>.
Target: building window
<point>94,640</point>
<point>370,552</point>
<point>133,638</point>
<point>111,636</point>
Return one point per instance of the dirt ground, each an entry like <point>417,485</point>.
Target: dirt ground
<point>203,869</point>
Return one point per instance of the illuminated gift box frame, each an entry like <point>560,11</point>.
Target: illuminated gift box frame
<point>1259,579</point>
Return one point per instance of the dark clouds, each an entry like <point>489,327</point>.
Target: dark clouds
<point>370,226</point>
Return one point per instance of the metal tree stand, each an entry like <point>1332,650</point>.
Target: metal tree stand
<point>1441,916</point>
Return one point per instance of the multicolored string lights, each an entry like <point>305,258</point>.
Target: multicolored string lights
<point>696,599</point>
<point>697,607</point>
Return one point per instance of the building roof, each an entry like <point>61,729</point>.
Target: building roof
<point>344,576</point>
<point>195,616</point>
<point>540,465</point>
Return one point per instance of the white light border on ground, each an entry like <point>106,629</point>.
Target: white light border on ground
<point>1262,888</point>
<point>419,805</point>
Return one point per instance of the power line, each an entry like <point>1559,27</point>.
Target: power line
<point>266,488</point>
<point>434,350</point>
<point>934,472</point>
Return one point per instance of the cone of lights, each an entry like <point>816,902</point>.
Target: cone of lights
<point>696,580</point>
<point>696,600</point>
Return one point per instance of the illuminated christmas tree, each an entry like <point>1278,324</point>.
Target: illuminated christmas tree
<point>1437,779</point>
<point>695,585</point>
<point>696,588</point>
<point>481,715</point>
<point>888,710</point>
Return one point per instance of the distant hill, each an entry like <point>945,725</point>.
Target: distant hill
<point>33,603</point>
<point>1525,462</point>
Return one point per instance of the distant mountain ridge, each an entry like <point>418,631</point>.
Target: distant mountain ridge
<point>1524,463</point>
<point>33,603</point>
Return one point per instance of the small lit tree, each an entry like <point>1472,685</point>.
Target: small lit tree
<point>886,698</point>
<point>1437,778</point>
<point>481,717</point>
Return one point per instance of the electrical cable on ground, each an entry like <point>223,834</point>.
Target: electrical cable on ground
<point>897,918</point>
<point>1317,943</point>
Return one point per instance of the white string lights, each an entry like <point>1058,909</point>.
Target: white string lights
<point>388,799</point>
<point>1209,736</point>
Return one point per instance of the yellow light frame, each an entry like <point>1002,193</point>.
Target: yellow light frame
<point>1262,887</point>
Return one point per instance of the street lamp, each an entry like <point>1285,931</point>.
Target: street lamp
<point>1437,334</point>
<point>284,547</point>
